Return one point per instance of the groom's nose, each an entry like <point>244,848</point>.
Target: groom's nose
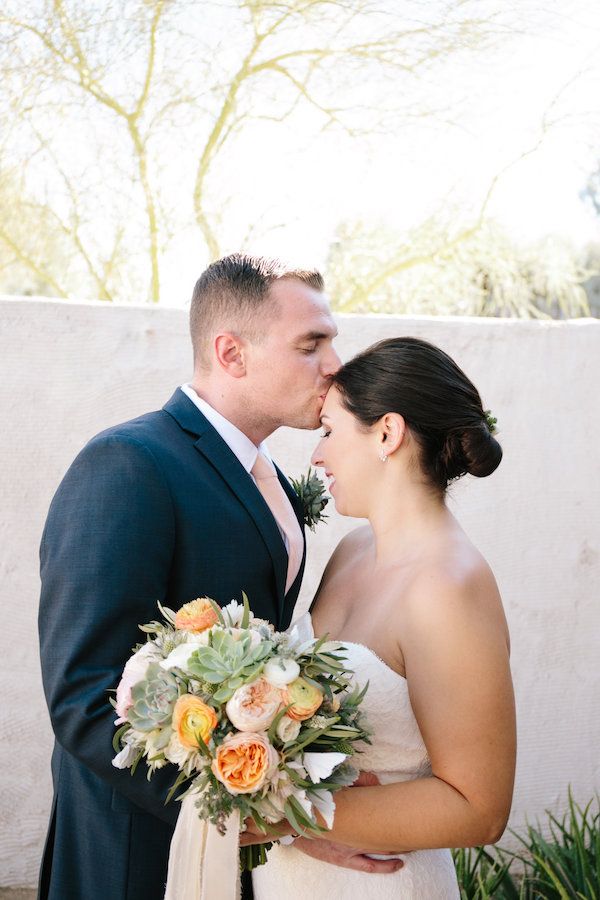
<point>330,363</point>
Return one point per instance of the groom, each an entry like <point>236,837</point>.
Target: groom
<point>176,504</point>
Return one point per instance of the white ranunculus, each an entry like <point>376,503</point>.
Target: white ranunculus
<point>281,671</point>
<point>287,729</point>
<point>180,656</point>
<point>254,706</point>
<point>238,634</point>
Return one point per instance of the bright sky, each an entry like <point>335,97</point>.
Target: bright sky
<point>398,179</point>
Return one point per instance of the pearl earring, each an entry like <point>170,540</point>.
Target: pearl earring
<point>383,457</point>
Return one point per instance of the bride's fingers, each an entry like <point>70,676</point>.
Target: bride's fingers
<point>247,839</point>
<point>366,779</point>
<point>376,866</point>
<point>251,827</point>
<point>340,855</point>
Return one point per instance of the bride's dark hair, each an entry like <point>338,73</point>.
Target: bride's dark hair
<point>440,405</point>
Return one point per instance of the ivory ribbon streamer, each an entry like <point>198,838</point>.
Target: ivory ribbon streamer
<point>203,864</point>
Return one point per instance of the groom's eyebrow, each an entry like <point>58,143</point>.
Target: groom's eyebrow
<point>318,335</point>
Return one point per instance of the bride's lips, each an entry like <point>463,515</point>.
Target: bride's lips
<point>331,479</point>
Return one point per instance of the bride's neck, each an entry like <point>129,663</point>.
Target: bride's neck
<point>401,527</point>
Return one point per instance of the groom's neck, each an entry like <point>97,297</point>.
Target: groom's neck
<point>250,420</point>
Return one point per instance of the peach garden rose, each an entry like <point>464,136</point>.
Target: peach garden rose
<point>254,706</point>
<point>244,761</point>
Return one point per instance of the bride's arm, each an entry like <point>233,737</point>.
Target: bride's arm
<point>455,646</point>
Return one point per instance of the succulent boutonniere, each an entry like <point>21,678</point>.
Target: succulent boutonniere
<point>310,491</point>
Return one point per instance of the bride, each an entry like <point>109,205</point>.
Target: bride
<point>419,613</point>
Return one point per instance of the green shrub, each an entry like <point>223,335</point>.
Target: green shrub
<point>560,862</point>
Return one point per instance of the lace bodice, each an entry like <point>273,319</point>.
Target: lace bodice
<point>397,751</point>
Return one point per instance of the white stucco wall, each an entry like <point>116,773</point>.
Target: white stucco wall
<point>67,370</point>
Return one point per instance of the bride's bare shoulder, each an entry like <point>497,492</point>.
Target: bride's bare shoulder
<point>453,584</point>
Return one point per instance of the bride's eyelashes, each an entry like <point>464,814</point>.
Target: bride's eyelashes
<point>325,434</point>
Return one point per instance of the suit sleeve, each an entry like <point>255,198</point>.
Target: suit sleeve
<point>106,556</point>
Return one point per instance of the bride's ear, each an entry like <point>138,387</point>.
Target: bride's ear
<point>392,429</point>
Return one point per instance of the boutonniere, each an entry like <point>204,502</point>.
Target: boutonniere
<point>310,491</point>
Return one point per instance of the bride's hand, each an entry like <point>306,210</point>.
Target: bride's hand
<point>366,779</point>
<point>253,835</point>
<point>346,857</point>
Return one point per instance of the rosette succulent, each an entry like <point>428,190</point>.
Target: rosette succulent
<point>311,493</point>
<point>230,660</point>
<point>153,699</point>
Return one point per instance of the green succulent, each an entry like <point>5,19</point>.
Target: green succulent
<point>153,699</point>
<point>311,490</point>
<point>228,662</point>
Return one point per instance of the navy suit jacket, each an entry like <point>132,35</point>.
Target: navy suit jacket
<point>158,508</point>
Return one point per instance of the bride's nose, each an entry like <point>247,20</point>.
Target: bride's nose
<point>317,457</point>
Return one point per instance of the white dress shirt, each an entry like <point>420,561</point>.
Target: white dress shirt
<point>239,443</point>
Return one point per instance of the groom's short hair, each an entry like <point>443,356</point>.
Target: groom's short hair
<point>233,293</point>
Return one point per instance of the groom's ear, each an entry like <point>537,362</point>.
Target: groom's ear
<point>392,431</point>
<point>229,352</point>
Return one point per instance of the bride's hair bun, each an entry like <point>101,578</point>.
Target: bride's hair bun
<point>441,406</point>
<point>472,450</point>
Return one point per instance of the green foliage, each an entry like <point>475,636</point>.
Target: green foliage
<point>560,862</point>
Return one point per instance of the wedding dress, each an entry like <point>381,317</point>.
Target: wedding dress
<point>397,753</point>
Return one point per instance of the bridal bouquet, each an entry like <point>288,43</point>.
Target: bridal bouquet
<point>256,721</point>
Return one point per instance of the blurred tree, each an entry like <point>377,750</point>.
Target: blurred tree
<point>117,111</point>
<point>477,272</point>
<point>591,192</point>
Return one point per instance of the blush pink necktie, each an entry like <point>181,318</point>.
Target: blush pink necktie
<point>277,500</point>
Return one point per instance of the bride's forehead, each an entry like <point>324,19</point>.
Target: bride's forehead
<point>333,401</point>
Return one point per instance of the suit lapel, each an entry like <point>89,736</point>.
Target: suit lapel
<point>214,449</point>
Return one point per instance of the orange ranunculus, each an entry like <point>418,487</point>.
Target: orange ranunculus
<point>193,717</point>
<point>244,761</point>
<point>196,616</point>
<point>304,697</point>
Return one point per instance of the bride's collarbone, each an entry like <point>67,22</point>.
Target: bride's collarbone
<point>363,619</point>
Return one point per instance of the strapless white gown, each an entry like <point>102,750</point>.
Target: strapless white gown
<point>397,753</point>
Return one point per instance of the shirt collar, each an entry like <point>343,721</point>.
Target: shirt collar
<point>239,443</point>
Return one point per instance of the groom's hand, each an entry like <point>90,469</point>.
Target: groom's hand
<point>346,857</point>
